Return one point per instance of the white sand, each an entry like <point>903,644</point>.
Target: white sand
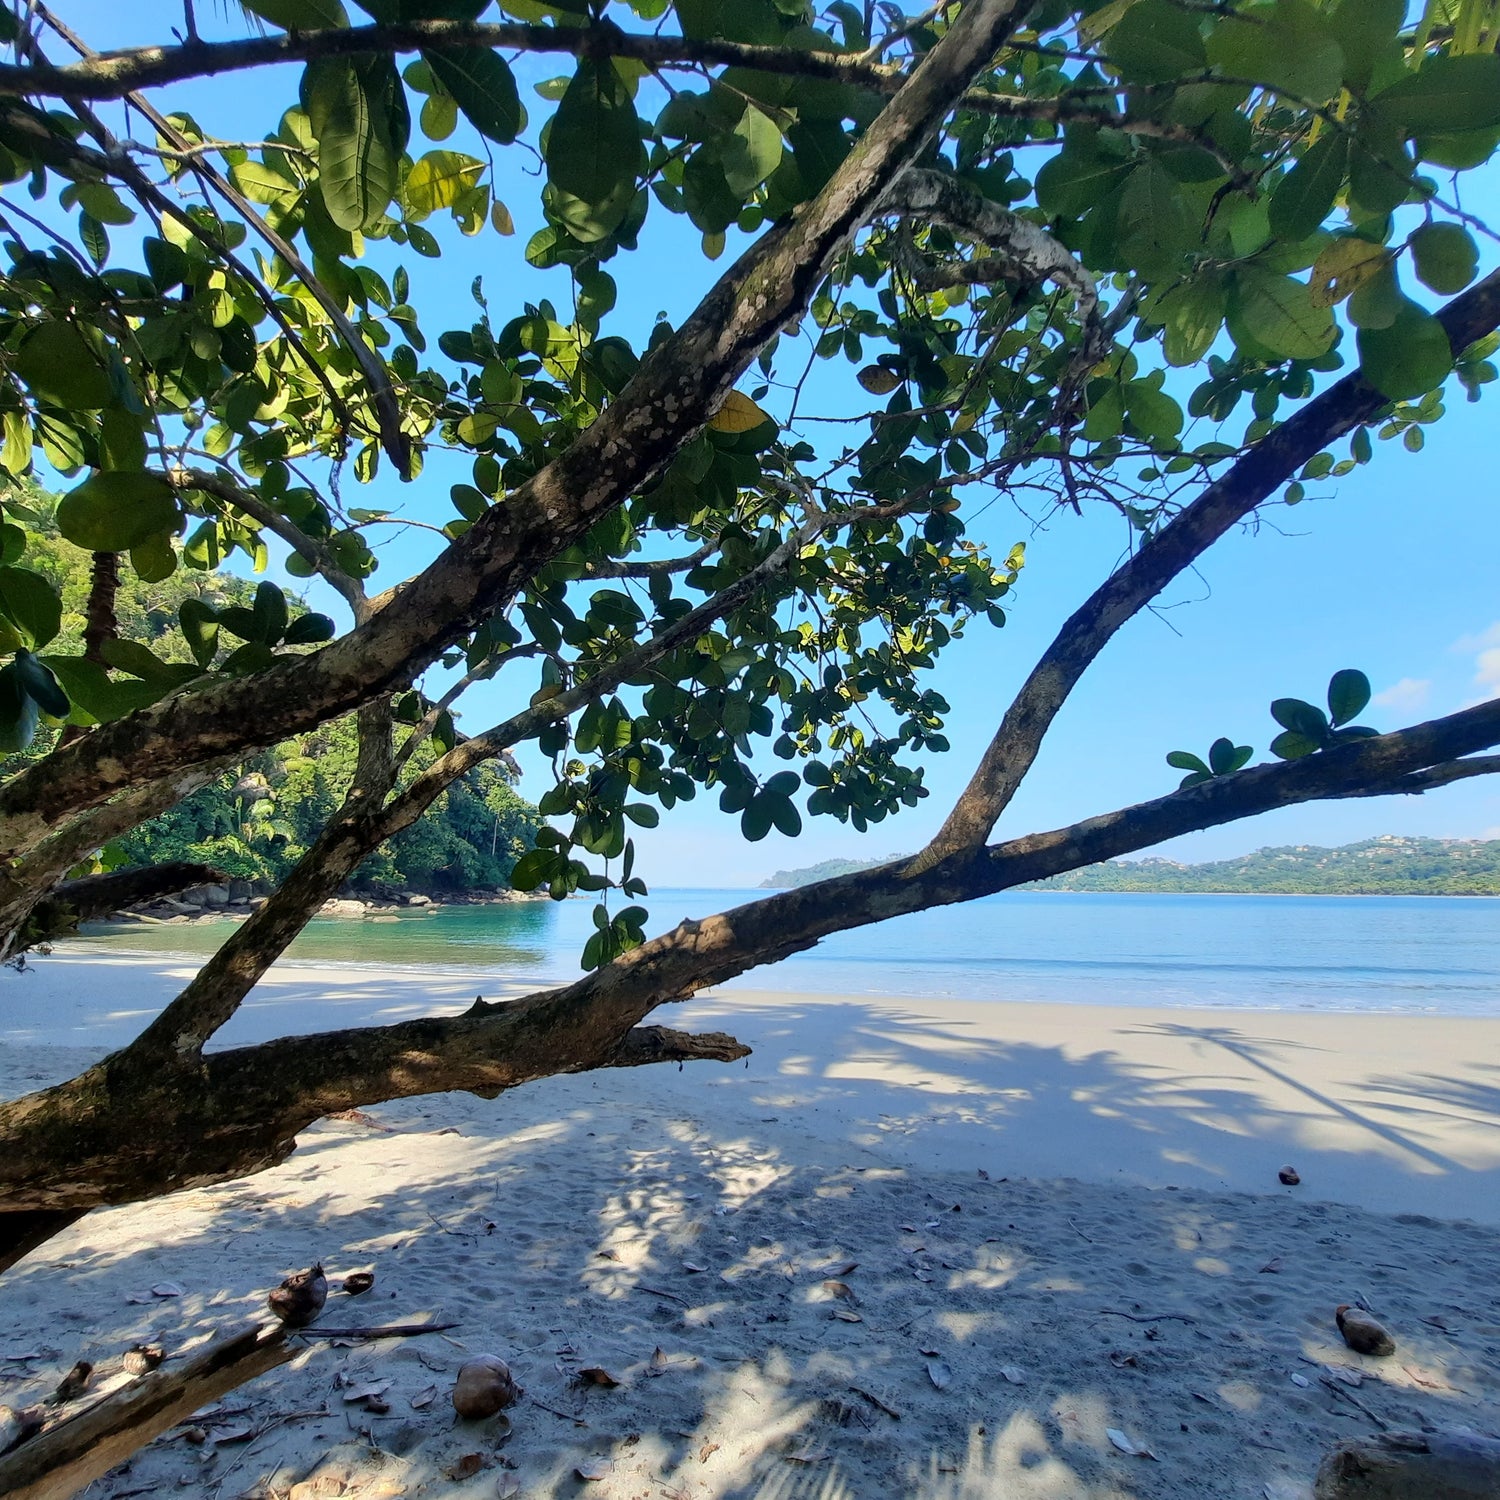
<point>559,1225</point>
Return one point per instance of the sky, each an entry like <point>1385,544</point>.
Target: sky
<point>1392,569</point>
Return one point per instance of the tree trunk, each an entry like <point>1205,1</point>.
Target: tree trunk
<point>1454,1464</point>
<point>67,1457</point>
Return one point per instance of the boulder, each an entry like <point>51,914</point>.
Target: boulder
<point>216,895</point>
<point>415,898</point>
<point>343,907</point>
<point>240,892</point>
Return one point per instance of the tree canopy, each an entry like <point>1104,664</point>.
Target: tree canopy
<point>1175,259</point>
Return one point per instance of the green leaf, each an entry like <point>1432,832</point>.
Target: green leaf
<point>1153,221</point>
<point>1193,313</point>
<point>95,694</point>
<point>1156,41</point>
<point>1293,746</point>
<point>304,15</point>
<point>594,146</point>
<point>1304,197</point>
<point>155,559</point>
<point>357,107</point>
<point>200,629</point>
<point>1447,259</point>
<point>140,661</point>
<point>755,821</point>
<point>117,510</point>
<point>1278,313</point>
<point>1185,760</point>
<point>30,604</point>
<point>1449,93</point>
<point>439,179</point>
<point>1301,718</point>
<point>64,366</point>
<point>1225,757</point>
<point>18,711</point>
<point>38,682</point>
<point>484,88</point>
<point>752,151</point>
<point>1348,693</point>
<point>1409,358</point>
<point>1287,46</point>
<point>270,613</point>
<point>309,630</point>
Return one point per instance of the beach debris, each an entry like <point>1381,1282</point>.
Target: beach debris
<point>74,1383</point>
<point>1127,1445</point>
<point>1013,1374</point>
<point>843,1268</point>
<point>508,1487</point>
<point>1288,1177</point>
<point>876,1402</point>
<point>141,1359</point>
<point>608,1253</point>
<point>466,1467</point>
<point>1410,1466</point>
<point>833,1288</point>
<point>807,1456</point>
<point>659,1363</point>
<point>940,1373</point>
<point>357,1283</point>
<point>300,1297</point>
<point>1362,1333</point>
<point>365,1392</point>
<point>846,1315</point>
<point>706,1452</point>
<point>1300,1381</point>
<point>223,1436</point>
<point>693,1268</point>
<point>16,1425</point>
<point>484,1385</point>
<point>596,1375</point>
<point>424,1398</point>
<point>594,1468</point>
<point>1272,1267</point>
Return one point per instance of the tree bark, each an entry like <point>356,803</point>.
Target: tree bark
<point>1453,1464</point>
<point>93,896</point>
<point>67,1457</point>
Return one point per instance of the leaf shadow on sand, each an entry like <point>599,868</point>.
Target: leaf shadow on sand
<point>688,1232</point>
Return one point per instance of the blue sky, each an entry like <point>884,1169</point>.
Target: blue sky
<point>1392,569</point>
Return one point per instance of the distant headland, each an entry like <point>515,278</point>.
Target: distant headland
<point>1390,865</point>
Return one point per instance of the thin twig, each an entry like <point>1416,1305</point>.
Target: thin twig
<point>875,1401</point>
<point>641,1286</point>
<point>1109,1312</point>
<point>375,1331</point>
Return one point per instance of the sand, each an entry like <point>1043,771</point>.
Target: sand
<point>930,1251</point>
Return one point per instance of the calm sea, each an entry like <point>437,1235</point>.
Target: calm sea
<point>1434,954</point>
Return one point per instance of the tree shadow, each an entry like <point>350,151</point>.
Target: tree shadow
<point>692,1233</point>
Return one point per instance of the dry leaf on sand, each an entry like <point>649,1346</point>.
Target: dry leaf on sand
<point>597,1375</point>
<point>594,1468</point>
<point>939,1373</point>
<point>1126,1445</point>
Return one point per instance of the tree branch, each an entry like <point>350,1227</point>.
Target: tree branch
<point>93,896</point>
<point>113,75</point>
<point>672,394</point>
<point>240,1109</point>
<point>1268,464</point>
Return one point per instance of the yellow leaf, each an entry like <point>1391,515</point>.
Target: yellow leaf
<point>878,380</point>
<point>440,179</point>
<point>501,219</point>
<point>1343,267</point>
<point>738,414</point>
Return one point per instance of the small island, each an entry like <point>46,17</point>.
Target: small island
<point>1389,865</point>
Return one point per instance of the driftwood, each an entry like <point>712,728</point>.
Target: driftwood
<point>78,1449</point>
<point>1454,1464</point>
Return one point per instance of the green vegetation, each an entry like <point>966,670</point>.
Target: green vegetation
<point>1390,865</point>
<point>256,823</point>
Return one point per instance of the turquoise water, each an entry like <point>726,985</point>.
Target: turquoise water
<point>1434,954</point>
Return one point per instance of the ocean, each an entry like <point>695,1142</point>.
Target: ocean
<point>1437,955</point>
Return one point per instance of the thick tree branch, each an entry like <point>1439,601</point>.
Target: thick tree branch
<point>93,896</point>
<point>114,75</point>
<point>1270,463</point>
<point>677,387</point>
<point>240,1110</point>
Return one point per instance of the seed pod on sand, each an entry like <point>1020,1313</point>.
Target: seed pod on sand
<point>483,1387</point>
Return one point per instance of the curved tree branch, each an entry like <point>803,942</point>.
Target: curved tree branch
<point>1268,464</point>
<point>240,1109</point>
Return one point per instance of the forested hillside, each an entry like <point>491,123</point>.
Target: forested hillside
<point>254,824</point>
<point>1390,865</point>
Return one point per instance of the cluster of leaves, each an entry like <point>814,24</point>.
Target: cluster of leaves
<point>1305,729</point>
